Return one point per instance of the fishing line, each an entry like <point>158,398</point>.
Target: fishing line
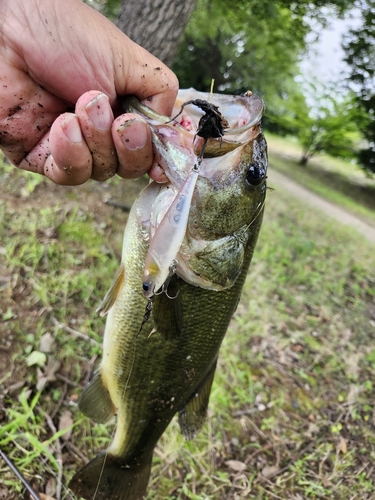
<point>114,430</point>
<point>257,215</point>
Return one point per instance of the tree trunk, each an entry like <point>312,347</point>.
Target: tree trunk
<point>156,25</point>
<point>303,161</point>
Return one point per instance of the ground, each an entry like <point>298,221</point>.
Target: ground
<point>291,412</point>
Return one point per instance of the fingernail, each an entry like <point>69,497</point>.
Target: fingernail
<point>72,129</point>
<point>100,113</point>
<point>133,134</point>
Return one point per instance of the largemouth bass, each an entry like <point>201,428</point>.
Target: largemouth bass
<point>160,349</point>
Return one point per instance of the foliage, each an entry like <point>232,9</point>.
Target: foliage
<point>246,45</point>
<point>109,8</point>
<point>322,122</point>
<point>360,55</point>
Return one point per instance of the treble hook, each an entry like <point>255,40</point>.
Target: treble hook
<point>164,288</point>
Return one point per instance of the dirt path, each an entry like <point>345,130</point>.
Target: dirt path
<point>277,179</point>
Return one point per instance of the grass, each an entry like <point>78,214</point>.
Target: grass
<point>291,413</point>
<point>341,182</point>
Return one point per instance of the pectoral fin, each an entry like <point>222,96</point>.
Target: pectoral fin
<point>192,417</point>
<point>95,401</point>
<point>111,295</point>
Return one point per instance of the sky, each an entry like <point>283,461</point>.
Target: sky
<point>325,58</point>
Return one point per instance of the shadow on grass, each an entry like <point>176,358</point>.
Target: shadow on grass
<point>361,194</point>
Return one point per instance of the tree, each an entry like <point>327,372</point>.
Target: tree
<point>156,25</point>
<point>360,55</point>
<point>325,124</point>
<point>241,45</point>
<point>247,45</point>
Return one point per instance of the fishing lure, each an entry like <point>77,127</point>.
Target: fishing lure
<point>168,237</point>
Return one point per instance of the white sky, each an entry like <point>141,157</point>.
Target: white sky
<point>325,58</point>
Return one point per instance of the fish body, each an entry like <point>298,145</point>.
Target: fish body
<point>153,369</point>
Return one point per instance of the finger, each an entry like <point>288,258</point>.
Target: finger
<point>70,162</point>
<point>96,117</point>
<point>150,80</point>
<point>132,139</point>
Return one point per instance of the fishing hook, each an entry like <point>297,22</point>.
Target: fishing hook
<point>164,288</point>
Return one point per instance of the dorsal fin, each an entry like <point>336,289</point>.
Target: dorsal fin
<point>111,296</point>
<point>193,415</point>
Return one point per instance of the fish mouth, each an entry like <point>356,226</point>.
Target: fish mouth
<point>204,151</point>
<point>242,113</point>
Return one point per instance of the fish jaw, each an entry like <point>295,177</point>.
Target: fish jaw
<point>174,152</point>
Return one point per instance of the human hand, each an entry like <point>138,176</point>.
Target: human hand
<point>63,68</point>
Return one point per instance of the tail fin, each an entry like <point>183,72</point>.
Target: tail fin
<point>107,477</point>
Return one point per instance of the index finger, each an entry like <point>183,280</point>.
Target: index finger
<point>151,81</point>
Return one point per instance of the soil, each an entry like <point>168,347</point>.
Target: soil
<point>280,181</point>
<point>93,196</point>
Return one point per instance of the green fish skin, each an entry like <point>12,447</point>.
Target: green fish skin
<point>149,374</point>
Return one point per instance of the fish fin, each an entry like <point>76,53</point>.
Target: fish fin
<point>111,296</point>
<point>95,401</point>
<point>167,311</point>
<point>107,477</point>
<point>193,415</point>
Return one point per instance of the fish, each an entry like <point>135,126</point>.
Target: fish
<point>160,347</point>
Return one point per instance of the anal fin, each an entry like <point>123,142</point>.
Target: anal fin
<point>111,295</point>
<point>95,401</point>
<point>193,415</point>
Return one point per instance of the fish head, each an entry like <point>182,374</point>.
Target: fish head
<point>227,203</point>
<point>230,191</point>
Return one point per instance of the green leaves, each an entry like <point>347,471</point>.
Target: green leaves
<point>328,124</point>
<point>360,55</point>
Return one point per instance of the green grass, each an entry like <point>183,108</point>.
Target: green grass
<point>341,182</point>
<point>293,398</point>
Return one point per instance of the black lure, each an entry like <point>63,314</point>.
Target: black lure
<point>212,124</point>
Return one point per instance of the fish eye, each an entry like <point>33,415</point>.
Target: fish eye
<point>145,287</point>
<point>256,174</point>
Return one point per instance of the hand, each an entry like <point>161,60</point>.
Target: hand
<point>63,68</point>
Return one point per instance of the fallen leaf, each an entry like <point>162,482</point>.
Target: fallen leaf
<point>270,470</point>
<point>50,486</point>
<point>342,446</point>
<point>45,497</point>
<point>236,465</point>
<point>66,422</point>
<point>326,482</point>
<point>4,493</point>
<point>36,358</point>
<point>48,374</point>
<point>14,388</point>
<point>46,343</point>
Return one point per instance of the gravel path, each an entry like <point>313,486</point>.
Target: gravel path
<point>278,180</point>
